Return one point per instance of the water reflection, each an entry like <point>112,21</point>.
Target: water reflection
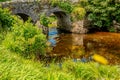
<point>82,47</point>
<point>53,33</point>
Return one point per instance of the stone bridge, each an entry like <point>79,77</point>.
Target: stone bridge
<point>33,9</point>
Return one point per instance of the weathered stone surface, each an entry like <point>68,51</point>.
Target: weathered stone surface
<point>43,28</point>
<point>64,22</point>
<point>116,26</point>
<point>79,27</point>
<point>28,8</point>
<point>33,9</point>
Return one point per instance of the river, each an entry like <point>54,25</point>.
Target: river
<point>79,46</point>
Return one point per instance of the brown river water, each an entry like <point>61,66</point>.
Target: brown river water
<point>78,46</point>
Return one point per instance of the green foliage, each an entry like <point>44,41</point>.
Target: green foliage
<point>15,67</point>
<point>20,37</point>
<point>92,71</point>
<point>25,39</point>
<point>53,21</point>
<point>46,21</point>
<point>112,29</point>
<point>4,0</point>
<point>6,20</point>
<point>83,3</point>
<point>64,5</point>
<point>102,13</point>
<point>116,14</point>
<point>78,13</point>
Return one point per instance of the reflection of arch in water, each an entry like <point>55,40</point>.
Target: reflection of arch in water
<point>24,17</point>
<point>64,21</point>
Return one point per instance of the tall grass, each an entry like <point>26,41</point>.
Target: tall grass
<point>4,0</point>
<point>93,71</point>
<point>15,67</point>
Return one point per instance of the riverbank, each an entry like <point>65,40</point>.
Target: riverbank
<point>13,66</point>
<point>79,46</point>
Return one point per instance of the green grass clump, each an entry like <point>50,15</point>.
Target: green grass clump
<point>93,71</point>
<point>15,67</point>
<point>4,0</point>
<point>25,39</point>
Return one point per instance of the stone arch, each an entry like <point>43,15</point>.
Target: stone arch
<point>23,7</point>
<point>23,16</point>
<point>64,22</point>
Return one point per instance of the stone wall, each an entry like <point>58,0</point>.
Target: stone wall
<point>81,26</point>
<point>116,26</point>
<point>33,10</point>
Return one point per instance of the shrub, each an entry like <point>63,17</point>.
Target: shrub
<point>83,3</point>
<point>25,39</point>
<point>6,20</point>
<point>78,13</point>
<point>64,5</point>
<point>20,37</point>
<point>44,20</point>
<point>102,13</point>
<point>116,14</point>
<point>47,21</point>
<point>4,0</point>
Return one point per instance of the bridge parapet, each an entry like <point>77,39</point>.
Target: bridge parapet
<point>33,9</point>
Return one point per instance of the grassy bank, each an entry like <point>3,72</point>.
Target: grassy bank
<point>15,67</point>
<point>24,40</point>
<point>4,0</point>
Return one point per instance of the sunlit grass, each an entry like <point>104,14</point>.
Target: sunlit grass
<point>15,67</point>
<point>93,71</point>
<point>4,0</point>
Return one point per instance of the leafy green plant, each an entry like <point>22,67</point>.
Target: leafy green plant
<point>112,29</point>
<point>78,13</point>
<point>64,5</point>
<point>92,71</point>
<point>81,3</point>
<point>4,0</point>
<point>44,20</point>
<point>6,20</point>
<point>47,21</point>
<point>25,39</point>
<point>13,66</point>
<point>84,2</point>
<point>102,13</point>
<point>116,14</point>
